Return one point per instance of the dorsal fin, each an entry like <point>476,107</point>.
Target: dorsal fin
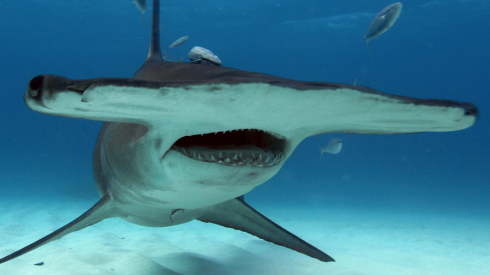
<point>155,51</point>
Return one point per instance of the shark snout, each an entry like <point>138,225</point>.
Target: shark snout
<point>46,93</point>
<point>471,110</point>
<point>43,86</point>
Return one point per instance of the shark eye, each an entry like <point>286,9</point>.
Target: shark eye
<point>34,87</point>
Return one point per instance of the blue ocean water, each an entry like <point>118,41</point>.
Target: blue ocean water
<point>436,49</point>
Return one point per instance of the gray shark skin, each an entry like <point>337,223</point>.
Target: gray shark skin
<point>186,141</point>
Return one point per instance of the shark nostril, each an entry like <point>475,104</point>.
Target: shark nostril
<point>35,85</point>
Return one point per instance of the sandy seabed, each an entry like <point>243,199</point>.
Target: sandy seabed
<point>361,241</point>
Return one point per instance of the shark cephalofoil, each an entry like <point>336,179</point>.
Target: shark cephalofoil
<point>186,141</point>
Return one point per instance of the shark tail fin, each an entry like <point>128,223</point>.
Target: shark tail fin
<point>103,209</point>
<point>239,215</point>
<point>369,49</point>
<point>155,50</point>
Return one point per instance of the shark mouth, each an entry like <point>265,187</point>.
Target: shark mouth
<point>244,147</point>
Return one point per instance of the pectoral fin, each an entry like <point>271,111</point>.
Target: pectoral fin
<point>239,215</point>
<point>101,210</point>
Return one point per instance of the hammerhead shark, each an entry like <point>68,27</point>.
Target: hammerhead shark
<point>186,141</point>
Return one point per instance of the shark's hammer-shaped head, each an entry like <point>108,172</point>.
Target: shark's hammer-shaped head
<point>276,113</point>
<point>236,128</point>
<point>255,121</point>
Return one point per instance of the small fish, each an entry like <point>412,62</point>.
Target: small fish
<point>333,147</point>
<point>141,4</point>
<point>179,41</point>
<point>383,22</point>
<point>39,264</point>
<point>355,82</point>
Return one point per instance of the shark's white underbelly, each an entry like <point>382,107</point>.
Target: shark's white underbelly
<point>164,191</point>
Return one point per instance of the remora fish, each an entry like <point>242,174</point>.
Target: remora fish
<point>333,147</point>
<point>383,22</point>
<point>179,41</point>
<point>186,141</point>
<point>202,55</point>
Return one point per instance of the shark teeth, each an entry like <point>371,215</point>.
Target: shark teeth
<point>239,157</point>
<point>278,136</point>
